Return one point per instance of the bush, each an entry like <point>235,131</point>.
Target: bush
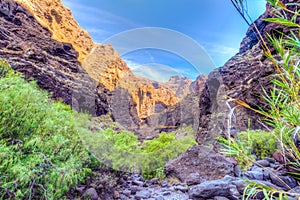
<point>250,145</point>
<point>122,151</point>
<point>41,155</point>
<point>241,150</point>
<point>263,144</point>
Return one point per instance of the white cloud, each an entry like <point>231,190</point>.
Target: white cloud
<point>97,14</point>
<point>214,48</point>
<point>131,64</point>
<point>156,72</point>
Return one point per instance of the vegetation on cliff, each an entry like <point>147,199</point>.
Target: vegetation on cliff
<point>283,106</point>
<point>41,154</point>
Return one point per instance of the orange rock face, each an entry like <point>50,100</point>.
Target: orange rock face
<point>106,67</point>
<point>53,15</point>
<point>103,63</point>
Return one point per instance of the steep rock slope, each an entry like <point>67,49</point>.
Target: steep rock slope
<point>140,98</point>
<point>131,99</point>
<point>28,47</point>
<point>53,15</point>
<point>184,113</point>
<point>241,78</point>
<point>187,110</point>
<point>140,104</point>
<point>179,85</point>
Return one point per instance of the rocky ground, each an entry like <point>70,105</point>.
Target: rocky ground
<point>106,184</point>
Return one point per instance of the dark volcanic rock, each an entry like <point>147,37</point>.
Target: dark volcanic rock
<point>241,78</point>
<point>28,47</point>
<point>202,160</point>
<point>227,187</point>
<point>193,179</point>
<point>91,194</point>
<point>185,112</point>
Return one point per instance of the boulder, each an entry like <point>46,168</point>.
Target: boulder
<point>227,187</point>
<point>202,160</point>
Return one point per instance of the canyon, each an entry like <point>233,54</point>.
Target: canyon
<point>137,103</point>
<point>42,40</point>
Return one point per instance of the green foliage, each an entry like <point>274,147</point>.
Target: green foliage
<point>263,144</point>
<point>122,151</point>
<point>162,141</point>
<point>253,188</point>
<point>250,145</point>
<point>41,155</point>
<point>157,152</point>
<point>241,150</point>
<point>282,21</point>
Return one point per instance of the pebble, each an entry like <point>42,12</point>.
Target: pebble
<point>138,183</point>
<point>271,160</point>
<point>134,190</point>
<point>126,192</point>
<point>164,184</point>
<point>286,182</point>
<point>181,188</point>
<point>144,194</point>
<point>220,198</point>
<point>262,163</point>
<point>154,181</point>
<point>91,194</point>
<point>255,174</point>
<point>166,193</point>
<point>226,188</point>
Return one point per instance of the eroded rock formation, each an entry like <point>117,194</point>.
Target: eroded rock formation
<point>243,78</point>
<point>53,15</point>
<point>29,48</point>
<point>133,101</point>
<point>130,99</point>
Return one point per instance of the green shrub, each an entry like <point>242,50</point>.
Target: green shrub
<point>263,144</point>
<point>122,151</point>
<point>241,150</point>
<point>41,155</point>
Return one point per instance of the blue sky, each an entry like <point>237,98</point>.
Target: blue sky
<point>213,24</point>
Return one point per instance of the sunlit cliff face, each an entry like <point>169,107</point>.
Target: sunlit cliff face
<point>102,62</point>
<point>53,15</point>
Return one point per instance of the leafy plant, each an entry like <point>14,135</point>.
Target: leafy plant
<point>253,189</point>
<point>263,144</point>
<point>122,151</point>
<point>41,155</point>
<point>241,150</point>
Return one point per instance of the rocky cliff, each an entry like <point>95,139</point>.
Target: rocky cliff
<point>132,100</point>
<point>241,78</point>
<point>53,15</point>
<point>101,81</point>
<point>29,48</point>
